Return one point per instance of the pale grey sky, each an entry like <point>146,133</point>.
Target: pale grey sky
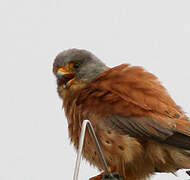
<point>34,141</point>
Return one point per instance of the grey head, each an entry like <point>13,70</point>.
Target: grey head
<point>81,63</point>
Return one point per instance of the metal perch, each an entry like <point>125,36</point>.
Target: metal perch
<point>107,175</point>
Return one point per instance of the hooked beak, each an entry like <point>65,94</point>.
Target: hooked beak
<point>61,72</point>
<point>64,77</point>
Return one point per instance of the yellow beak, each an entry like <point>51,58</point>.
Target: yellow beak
<point>65,77</point>
<point>61,72</point>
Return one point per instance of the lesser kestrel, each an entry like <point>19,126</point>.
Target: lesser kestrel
<point>140,128</point>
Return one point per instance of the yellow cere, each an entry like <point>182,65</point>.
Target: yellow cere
<point>71,65</point>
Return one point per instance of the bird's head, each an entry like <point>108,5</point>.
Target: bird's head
<point>76,67</point>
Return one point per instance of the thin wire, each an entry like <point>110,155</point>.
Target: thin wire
<point>86,123</point>
<point>105,166</point>
<point>81,142</point>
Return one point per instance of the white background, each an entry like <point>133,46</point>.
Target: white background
<point>34,141</point>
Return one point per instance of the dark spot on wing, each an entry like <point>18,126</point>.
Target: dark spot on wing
<point>177,116</point>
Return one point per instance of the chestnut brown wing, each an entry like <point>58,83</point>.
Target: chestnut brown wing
<point>135,102</point>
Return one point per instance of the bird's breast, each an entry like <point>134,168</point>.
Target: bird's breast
<point>114,145</point>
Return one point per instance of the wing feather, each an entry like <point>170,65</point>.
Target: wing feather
<point>135,102</point>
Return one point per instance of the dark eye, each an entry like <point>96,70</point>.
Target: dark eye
<point>76,65</point>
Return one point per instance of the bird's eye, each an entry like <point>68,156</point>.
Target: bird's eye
<point>76,65</point>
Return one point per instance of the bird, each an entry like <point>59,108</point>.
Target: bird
<point>140,128</point>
